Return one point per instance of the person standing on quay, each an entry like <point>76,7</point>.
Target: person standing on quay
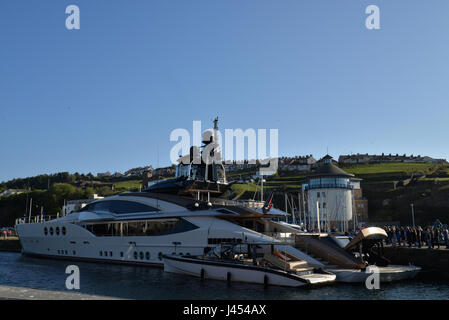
<point>446,237</point>
<point>398,236</point>
<point>393,236</point>
<point>419,235</point>
<point>429,237</point>
<point>409,236</point>
<point>403,236</point>
<point>436,237</point>
<point>415,236</point>
<point>388,231</point>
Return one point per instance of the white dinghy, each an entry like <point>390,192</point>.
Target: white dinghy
<point>271,268</point>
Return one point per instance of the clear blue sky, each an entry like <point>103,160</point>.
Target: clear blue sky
<point>107,96</point>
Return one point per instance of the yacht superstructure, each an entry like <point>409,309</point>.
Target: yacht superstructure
<point>138,228</point>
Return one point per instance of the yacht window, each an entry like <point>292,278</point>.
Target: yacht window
<point>141,255</point>
<point>159,255</point>
<point>63,230</point>
<point>57,231</point>
<point>147,255</point>
<point>135,254</point>
<point>156,227</point>
<point>110,253</point>
<point>121,254</point>
<point>51,231</point>
<point>119,207</point>
<point>101,253</point>
<point>45,231</point>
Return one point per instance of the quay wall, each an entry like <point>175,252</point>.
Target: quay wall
<point>10,245</point>
<point>434,262</point>
<point>23,293</point>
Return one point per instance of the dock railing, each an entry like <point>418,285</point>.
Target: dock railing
<point>244,203</point>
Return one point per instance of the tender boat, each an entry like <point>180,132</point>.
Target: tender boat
<point>273,268</point>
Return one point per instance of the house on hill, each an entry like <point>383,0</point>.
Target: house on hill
<point>9,192</point>
<point>385,158</point>
<point>297,163</point>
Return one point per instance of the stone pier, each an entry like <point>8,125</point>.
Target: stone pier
<point>22,293</point>
<point>434,262</point>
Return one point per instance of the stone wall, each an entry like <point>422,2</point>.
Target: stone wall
<point>432,261</point>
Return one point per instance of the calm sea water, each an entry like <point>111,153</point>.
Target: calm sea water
<point>136,282</point>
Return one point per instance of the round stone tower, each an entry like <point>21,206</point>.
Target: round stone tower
<point>330,198</point>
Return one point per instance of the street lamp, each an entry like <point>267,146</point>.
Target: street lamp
<point>413,215</point>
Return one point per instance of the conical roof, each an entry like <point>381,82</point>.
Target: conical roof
<point>330,170</point>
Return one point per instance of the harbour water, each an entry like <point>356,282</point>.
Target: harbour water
<point>137,282</point>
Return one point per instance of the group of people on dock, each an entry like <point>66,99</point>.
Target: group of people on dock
<point>416,236</point>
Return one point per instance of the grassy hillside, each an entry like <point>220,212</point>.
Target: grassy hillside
<point>388,188</point>
<point>130,185</point>
<point>405,168</point>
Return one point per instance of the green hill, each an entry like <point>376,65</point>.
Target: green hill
<point>389,187</point>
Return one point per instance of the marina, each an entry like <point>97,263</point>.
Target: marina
<point>189,226</point>
<point>224,150</point>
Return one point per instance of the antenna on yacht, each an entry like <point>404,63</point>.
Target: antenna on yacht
<point>157,198</point>
<point>29,214</point>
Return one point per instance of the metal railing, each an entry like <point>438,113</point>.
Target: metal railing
<point>243,203</point>
<point>330,185</point>
<point>36,219</point>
